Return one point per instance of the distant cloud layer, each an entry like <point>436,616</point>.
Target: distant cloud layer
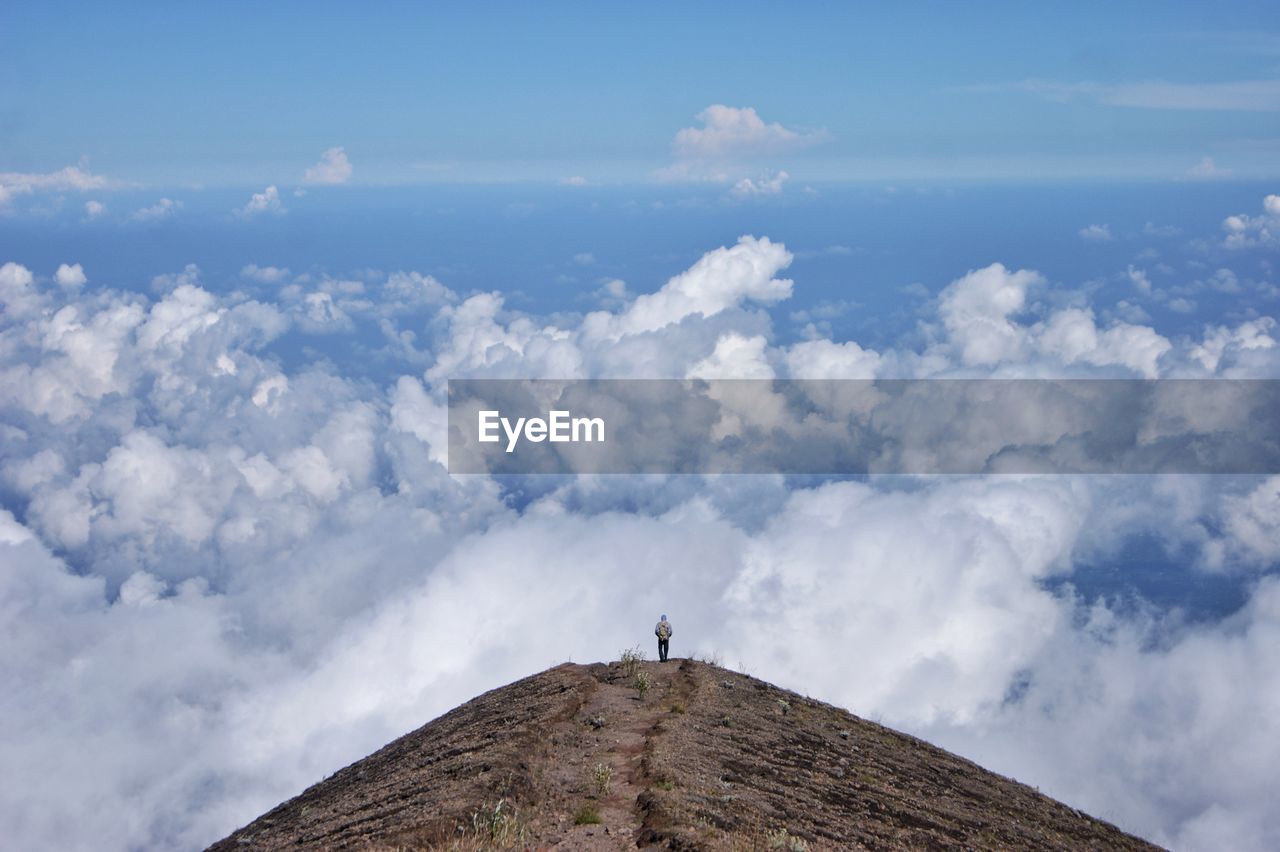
<point>1239,96</point>
<point>1207,169</point>
<point>13,184</point>
<point>229,572</point>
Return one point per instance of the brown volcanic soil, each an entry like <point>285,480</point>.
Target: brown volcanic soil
<point>707,759</point>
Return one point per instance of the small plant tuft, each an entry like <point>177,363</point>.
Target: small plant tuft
<point>783,839</point>
<point>500,827</point>
<point>587,815</point>
<point>642,683</point>
<point>601,779</point>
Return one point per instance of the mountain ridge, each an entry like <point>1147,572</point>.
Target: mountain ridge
<point>676,755</point>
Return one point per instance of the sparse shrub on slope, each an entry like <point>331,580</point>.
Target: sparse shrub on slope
<point>785,840</point>
<point>631,659</point>
<point>642,683</point>
<point>601,779</point>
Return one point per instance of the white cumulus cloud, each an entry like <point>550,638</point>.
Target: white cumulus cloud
<point>733,132</point>
<point>768,185</point>
<point>162,209</point>
<point>729,147</point>
<point>267,201</point>
<point>1245,231</point>
<point>264,274</point>
<point>70,275</point>
<point>333,168</point>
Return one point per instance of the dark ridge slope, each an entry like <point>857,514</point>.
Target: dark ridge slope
<point>703,758</point>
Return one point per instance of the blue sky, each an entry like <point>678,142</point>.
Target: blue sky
<point>250,93</point>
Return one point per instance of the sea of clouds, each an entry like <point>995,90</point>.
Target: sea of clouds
<point>225,573</point>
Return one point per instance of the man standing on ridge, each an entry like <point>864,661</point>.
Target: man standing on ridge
<point>663,632</point>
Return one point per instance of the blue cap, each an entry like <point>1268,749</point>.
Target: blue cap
<point>664,618</point>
